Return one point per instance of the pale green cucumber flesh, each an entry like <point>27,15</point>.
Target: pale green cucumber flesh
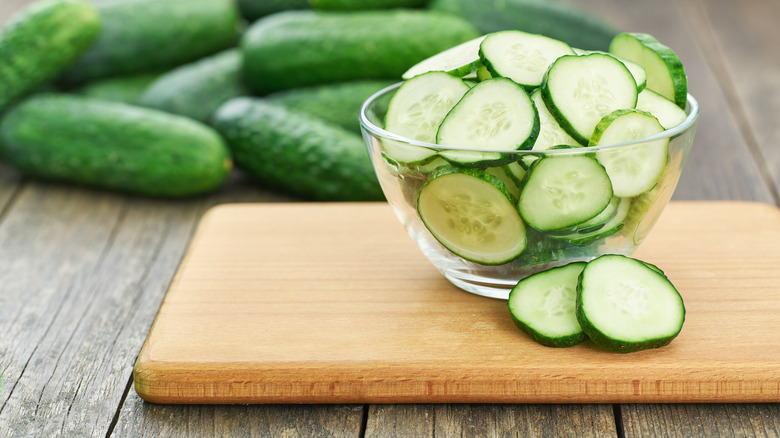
<point>665,72</point>
<point>667,112</point>
<point>416,111</point>
<point>494,115</point>
<point>624,305</point>
<point>580,90</point>
<point>521,56</point>
<point>550,132</point>
<point>543,305</point>
<point>460,60</point>
<point>561,192</point>
<point>472,215</point>
<point>633,169</point>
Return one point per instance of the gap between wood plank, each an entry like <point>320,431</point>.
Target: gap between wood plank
<point>618,414</point>
<point>118,412</point>
<point>714,57</point>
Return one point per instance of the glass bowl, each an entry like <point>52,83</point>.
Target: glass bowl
<point>627,227</point>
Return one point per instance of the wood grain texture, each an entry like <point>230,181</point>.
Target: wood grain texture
<point>748,65</point>
<point>259,312</point>
<point>720,165</point>
<point>78,284</point>
<point>709,420</point>
<point>426,420</point>
<point>139,419</point>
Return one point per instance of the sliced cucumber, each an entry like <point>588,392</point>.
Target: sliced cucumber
<point>483,74</point>
<point>637,71</point>
<point>632,169</point>
<point>416,110</point>
<point>457,61</point>
<point>543,305</point>
<point>665,72</point>
<point>520,56</point>
<point>667,113</point>
<point>516,172</point>
<point>595,223</point>
<point>580,90</point>
<point>550,132</point>
<point>585,236</point>
<point>472,214</point>
<point>494,115</point>
<point>623,305</point>
<point>561,192</point>
<point>512,186</point>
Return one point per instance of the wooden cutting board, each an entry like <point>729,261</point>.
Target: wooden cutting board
<point>333,303</point>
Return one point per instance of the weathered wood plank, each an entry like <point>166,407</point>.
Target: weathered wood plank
<point>490,420</point>
<point>742,47</point>
<point>720,165</point>
<point>140,419</point>
<point>732,420</point>
<point>53,239</point>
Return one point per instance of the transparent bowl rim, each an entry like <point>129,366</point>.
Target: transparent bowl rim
<point>376,131</point>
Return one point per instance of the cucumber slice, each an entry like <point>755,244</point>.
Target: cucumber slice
<point>495,114</point>
<point>543,305</point>
<point>666,111</point>
<point>550,132</point>
<point>632,169</point>
<point>586,236</point>
<point>595,223</point>
<point>561,192</point>
<point>580,90</point>
<point>665,72</point>
<point>623,305</point>
<point>509,182</point>
<point>516,171</point>
<point>520,56</point>
<point>472,214</point>
<point>483,74</point>
<point>637,71</point>
<point>457,61</point>
<point>415,112</point>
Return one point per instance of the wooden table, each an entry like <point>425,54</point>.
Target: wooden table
<point>84,271</point>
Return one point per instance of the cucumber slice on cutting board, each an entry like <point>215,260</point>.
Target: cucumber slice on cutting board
<point>624,305</point>
<point>665,72</point>
<point>580,90</point>
<point>471,213</point>
<point>543,305</point>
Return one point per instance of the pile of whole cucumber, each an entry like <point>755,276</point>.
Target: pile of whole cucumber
<point>165,97</point>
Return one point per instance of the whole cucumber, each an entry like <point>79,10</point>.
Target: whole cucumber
<point>301,48</point>
<point>41,41</point>
<point>345,5</point>
<point>335,103</point>
<point>297,153</point>
<point>554,19</point>
<point>150,35</point>
<point>113,146</point>
<point>197,89</point>
<point>254,9</point>
<point>125,89</point>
